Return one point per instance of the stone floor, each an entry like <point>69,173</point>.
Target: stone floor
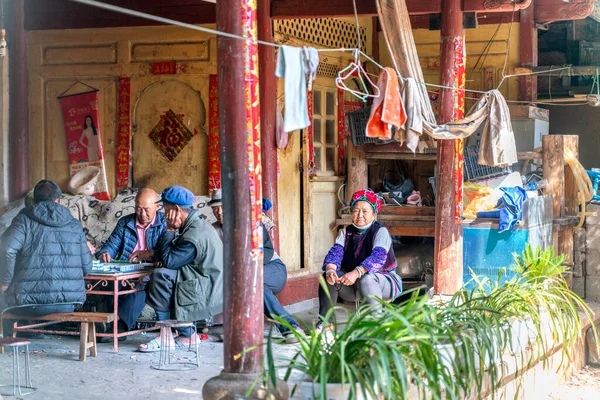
<point>58,374</point>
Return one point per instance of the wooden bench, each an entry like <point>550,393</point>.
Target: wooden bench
<point>87,330</point>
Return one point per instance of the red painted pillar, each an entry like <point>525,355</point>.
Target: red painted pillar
<point>528,53</point>
<point>268,104</point>
<point>448,272</point>
<point>242,286</point>
<point>19,106</point>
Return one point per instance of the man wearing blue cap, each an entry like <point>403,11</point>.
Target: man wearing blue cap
<point>189,286</point>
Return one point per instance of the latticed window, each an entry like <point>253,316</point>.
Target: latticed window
<point>325,130</point>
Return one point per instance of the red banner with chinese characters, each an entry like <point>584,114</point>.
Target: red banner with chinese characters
<point>253,123</point>
<point>459,112</point>
<point>82,127</point>
<point>164,68</point>
<point>214,153</point>
<point>124,133</point>
<point>341,130</point>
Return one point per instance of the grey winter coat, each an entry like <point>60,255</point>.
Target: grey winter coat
<point>44,257</point>
<point>199,290</point>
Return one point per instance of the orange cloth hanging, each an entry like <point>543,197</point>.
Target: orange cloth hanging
<point>387,108</point>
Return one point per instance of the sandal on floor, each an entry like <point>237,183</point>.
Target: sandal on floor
<point>152,346</point>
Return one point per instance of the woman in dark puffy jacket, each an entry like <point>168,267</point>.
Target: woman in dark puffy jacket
<point>43,257</point>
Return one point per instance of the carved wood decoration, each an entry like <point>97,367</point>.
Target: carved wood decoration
<point>559,10</point>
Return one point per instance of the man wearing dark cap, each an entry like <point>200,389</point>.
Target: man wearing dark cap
<point>43,257</point>
<point>189,286</point>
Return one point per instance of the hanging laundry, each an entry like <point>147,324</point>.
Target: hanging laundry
<point>509,210</point>
<point>387,109</point>
<point>497,148</point>
<point>411,131</point>
<point>291,67</point>
<point>281,136</point>
<point>311,57</point>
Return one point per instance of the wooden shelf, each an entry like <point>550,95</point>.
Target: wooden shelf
<point>402,156</point>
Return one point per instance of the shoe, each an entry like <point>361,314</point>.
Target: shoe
<point>319,326</point>
<point>292,337</point>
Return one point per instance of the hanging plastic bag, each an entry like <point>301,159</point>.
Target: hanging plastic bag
<point>280,135</point>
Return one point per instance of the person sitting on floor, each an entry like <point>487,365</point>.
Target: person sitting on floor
<point>43,257</point>
<point>190,281</point>
<point>274,279</point>
<point>134,238</point>
<point>361,263</point>
<point>217,208</point>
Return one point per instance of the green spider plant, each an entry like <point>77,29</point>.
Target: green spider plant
<point>385,351</point>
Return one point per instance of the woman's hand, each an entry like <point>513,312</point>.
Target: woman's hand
<point>349,278</point>
<point>331,277</point>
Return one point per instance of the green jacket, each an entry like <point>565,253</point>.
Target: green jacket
<point>199,291</point>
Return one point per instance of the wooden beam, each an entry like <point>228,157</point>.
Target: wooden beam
<point>63,14</point>
<point>576,70</point>
<point>290,9</point>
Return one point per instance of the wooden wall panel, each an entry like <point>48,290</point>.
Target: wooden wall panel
<point>83,54</point>
<point>58,59</point>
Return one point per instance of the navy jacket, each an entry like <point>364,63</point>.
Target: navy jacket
<point>123,239</point>
<point>44,257</point>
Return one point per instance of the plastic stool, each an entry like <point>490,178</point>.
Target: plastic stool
<point>15,343</point>
<point>166,335</point>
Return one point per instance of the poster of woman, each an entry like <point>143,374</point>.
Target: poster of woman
<point>84,140</point>
<point>90,139</point>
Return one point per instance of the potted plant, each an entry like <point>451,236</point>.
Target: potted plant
<point>388,351</point>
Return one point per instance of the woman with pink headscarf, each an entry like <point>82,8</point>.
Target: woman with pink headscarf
<point>361,263</point>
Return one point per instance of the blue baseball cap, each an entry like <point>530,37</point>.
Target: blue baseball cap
<point>177,195</point>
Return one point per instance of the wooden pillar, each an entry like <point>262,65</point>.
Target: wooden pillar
<point>19,106</point>
<point>528,53</point>
<point>268,104</point>
<point>243,278</point>
<point>562,187</point>
<point>375,39</point>
<point>448,271</point>
<point>357,170</point>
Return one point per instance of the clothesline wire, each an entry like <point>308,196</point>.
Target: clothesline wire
<point>542,102</point>
<point>512,19</point>
<point>173,22</point>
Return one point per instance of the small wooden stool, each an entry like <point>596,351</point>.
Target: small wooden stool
<point>15,343</point>
<point>166,335</point>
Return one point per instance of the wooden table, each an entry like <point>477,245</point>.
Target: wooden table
<point>128,281</point>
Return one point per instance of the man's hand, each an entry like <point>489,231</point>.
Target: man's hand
<point>105,258</point>
<point>349,278</point>
<point>4,288</point>
<point>141,255</point>
<point>174,219</point>
<point>157,264</point>
<point>91,247</point>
